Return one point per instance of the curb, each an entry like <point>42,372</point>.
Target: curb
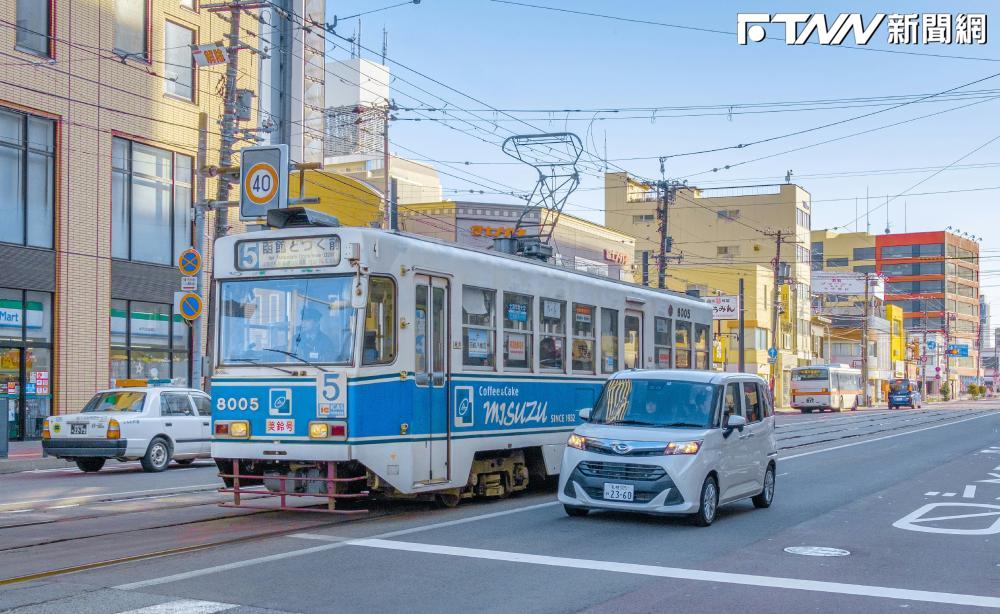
<point>18,466</point>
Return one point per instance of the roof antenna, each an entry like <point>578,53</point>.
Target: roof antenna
<point>385,44</point>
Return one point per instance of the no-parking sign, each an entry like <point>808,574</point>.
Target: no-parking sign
<point>263,180</point>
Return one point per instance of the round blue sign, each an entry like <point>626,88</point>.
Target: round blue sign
<point>772,352</point>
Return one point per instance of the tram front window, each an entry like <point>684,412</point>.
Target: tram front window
<point>287,321</point>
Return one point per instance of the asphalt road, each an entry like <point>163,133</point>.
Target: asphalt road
<point>911,497</point>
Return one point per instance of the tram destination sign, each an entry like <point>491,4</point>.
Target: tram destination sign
<point>288,253</point>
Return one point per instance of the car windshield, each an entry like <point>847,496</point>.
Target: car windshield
<point>119,400</point>
<point>656,402</point>
<point>805,375</point>
<point>287,321</point>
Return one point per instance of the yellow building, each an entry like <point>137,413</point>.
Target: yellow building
<point>99,105</point>
<point>717,232</point>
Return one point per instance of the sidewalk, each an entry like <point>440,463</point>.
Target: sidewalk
<point>27,455</point>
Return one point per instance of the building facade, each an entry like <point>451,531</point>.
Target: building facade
<point>934,278</point>
<point>99,112</point>
<point>719,229</point>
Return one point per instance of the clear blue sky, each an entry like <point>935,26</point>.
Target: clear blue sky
<point>515,57</point>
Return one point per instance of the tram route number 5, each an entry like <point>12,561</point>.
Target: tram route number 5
<point>263,180</point>
<point>331,404</point>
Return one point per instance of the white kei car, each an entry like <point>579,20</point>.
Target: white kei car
<point>151,424</point>
<point>672,442</point>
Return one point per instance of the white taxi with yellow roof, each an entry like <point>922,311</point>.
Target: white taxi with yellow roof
<point>137,420</point>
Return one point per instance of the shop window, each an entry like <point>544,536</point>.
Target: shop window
<point>609,340</point>
<point>478,326</point>
<point>552,335</point>
<point>148,342</point>
<point>583,338</point>
<point>132,29</point>
<point>34,29</point>
<point>380,322</point>
<point>151,203</point>
<point>682,344</point>
<point>662,342</point>
<point>27,158</point>
<point>178,64</point>
<point>517,335</point>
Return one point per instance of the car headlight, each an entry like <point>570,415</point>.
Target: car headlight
<point>239,428</point>
<point>682,447</point>
<point>577,441</point>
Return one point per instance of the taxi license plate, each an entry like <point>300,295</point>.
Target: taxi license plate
<point>619,492</point>
<point>77,429</point>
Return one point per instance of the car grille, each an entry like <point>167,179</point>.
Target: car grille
<point>621,471</point>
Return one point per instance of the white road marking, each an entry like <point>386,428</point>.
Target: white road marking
<point>113,494</point>
<point>699,575</point>
<point>320,538</point>
<point>932,493</point>
<point>296,553</point>
<point>949,494</point>
<point>18,511</point>
<point>858,443</point>
<point>62,507</point>
<point>184,606</point>
<point>969,492</point>
<point>909,522</point>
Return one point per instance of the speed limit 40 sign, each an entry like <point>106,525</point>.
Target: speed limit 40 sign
<point>263,180</point>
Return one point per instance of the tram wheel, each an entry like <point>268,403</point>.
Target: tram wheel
<point>448,500</point>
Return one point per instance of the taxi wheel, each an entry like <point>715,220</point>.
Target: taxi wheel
<point>157,456</point>
<point>90,465</point>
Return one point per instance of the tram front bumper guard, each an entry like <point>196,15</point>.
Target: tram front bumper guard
<point>331,480</point>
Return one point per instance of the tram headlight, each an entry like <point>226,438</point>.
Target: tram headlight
<point>239,428</point>
<point>319,430</point>
<point>577,441</point>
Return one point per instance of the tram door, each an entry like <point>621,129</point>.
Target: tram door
<point>431,369</point>
<point>633,339</point>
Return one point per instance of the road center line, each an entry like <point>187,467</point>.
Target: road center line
<point>874,439</point>
<point>295,553</point>
<point>678,573</point>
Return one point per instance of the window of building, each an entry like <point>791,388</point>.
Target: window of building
<point>478,326</point>
<point>189,4</point>
<point>132,29</point>
<point>148,342</point>
<point>151,202</point>
<point>817,256</point>
<point>178,68</point>
<point>643,219</point>
<point>913,268</point>
<point>27,159</point>
<point>727,251</point>
<point>864,253</point>
<point>728,214</point>
<point>380,322</point>
<point>696,290</point>
<point>913,251</point>
<point>701,345</point>
<point>864,268</point>
<point>836,262</point>
<point>662,341</point>
<point>803,219</point>
<point>682,344</point>
<point>583,338</point>
<point>552,335</point>
<point>517,340</point>
<point>609,340</point>
<point>34,31</point>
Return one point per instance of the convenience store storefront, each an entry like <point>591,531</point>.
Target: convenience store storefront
<point>25,361</point>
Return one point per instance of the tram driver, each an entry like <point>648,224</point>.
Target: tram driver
<point>313,344</point>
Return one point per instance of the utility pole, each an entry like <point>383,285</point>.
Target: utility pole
<point>742,342</point>
<point>197,357</point>
<point>924,388</point>
<point>947,354</point>
<point>865,401</point>
<point>387,221</point>
<point>774,306</point>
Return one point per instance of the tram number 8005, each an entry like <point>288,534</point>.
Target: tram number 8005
<point>233,404</point>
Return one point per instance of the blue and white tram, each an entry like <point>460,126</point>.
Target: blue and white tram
<point>355,360</point>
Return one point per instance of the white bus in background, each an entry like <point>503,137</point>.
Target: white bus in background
<point>822,387</point>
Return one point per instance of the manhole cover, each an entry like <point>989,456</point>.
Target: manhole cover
<point>816,551</point>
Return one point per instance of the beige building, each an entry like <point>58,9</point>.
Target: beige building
<point>720,234</point>
<point>99,110</point>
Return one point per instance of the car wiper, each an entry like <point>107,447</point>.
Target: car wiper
<point>296,357</point>
<point>260,364</point>
<point>669,424</point>
<point>633,422</point>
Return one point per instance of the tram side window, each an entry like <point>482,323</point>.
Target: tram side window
<point>701,346</point>
<point>662,342</point>
<point>583,338</point>
<point>380,322</point>
<point>478,326</point>
<point>609,340</point>
<point>517,330</point>
<point>552,343</point>
<point>682,342</point>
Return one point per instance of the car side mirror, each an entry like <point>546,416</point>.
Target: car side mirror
<point>585,414</point>
<point>734,422</point>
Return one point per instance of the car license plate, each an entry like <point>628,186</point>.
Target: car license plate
<point>77,429</point>
<point>619,492</point>
<point>809,400</point>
